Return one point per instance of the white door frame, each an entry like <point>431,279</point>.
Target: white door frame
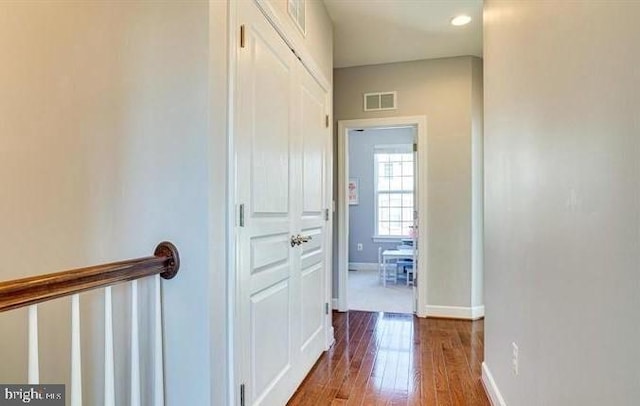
<point>420,122</point>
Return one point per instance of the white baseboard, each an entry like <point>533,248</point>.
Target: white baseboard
<point>363,266</point>
<point>477,312</point>
<point>456,312</point>
<point>495,397</point>
<point>334,303</point>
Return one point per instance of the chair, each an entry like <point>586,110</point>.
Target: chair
<point>411,275</point>
<point>406,266</point>
<point>384,267</point>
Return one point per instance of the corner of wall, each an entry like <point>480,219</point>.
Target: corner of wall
<point>477,182</point>
<point>491,388</point>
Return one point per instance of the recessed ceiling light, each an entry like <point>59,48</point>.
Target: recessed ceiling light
<point>460,20</point>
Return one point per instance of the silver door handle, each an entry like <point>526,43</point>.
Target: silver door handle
<point>300,239</point>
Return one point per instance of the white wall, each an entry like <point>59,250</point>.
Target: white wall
<point>443,90</point>
<point>562,208</point>
<point>218,202</point>
<point>105,147</point>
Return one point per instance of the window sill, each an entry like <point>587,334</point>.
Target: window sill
<point>387,238</point>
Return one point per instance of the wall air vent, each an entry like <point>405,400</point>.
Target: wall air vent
<point>380,101</point>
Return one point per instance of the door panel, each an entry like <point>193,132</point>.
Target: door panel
<point>312,252</point>
<point>268,251</point>
<point>270,344</point>
<point>312,315</point>
<point>313,113</point>
<point>312,305</point>
<point>271,119</point>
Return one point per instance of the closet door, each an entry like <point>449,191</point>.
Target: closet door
<point>282,145</point>
<point>267,179</point>
<point>314,133</point>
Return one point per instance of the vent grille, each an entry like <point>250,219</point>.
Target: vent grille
<point>388,101</point>
<point>371,102</point>
<point>380,101</point>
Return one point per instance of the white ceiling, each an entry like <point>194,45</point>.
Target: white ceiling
<point>368,32</point>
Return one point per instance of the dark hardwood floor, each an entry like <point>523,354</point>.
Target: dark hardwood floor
<point>398,359</point>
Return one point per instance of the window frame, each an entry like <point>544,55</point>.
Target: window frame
<point>390,149</point>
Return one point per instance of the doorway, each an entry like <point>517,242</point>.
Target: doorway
<point>378,271</point>
<point>382,215</point>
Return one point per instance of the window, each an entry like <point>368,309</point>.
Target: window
<point>394,184</point>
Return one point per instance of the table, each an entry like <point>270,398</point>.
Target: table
<point>395,254</point>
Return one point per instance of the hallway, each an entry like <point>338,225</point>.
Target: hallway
<point>397,359</point>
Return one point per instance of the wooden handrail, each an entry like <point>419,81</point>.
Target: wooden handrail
<point>27,291</point>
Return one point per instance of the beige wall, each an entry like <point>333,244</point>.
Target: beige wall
<point>104,151</point>
<point>562,208</point>
<point>441,89</point>
<point>477,183</point>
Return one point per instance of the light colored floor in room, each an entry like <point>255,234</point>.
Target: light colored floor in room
<point>367,293</point>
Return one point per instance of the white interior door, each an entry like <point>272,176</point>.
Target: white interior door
<point>313,219</point>
<point>265,175</point>
<point>281,153</point>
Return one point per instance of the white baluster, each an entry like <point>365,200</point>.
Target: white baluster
<point>135,350</point>
<point>158,382</point>
<point>109,379</point>
<point>34,368</point>
<point>76,366</point>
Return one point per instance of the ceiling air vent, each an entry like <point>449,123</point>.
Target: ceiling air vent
<point>380,101</point>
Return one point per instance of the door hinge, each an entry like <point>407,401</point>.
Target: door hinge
<point>242,395</point>
<point>326,214</point>
<point>241,215</point>
<point>415,147</point>
<point>242,36</point>
<point>326,121</point>
<point>326,308</point>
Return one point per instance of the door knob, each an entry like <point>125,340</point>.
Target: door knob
<point>300,239</point>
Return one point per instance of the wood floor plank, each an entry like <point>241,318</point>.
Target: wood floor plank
<point>358,361</point>
<point>443,391</point>
<point>340,373</point>
<point>357,394</point>
<point>391,359</point>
